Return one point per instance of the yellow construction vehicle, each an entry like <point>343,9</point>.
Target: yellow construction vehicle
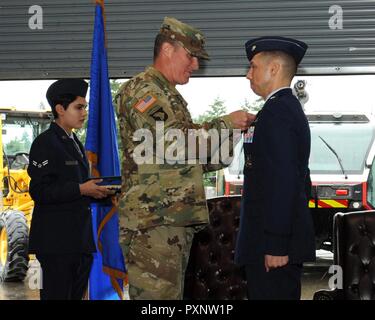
<point>18,129</point>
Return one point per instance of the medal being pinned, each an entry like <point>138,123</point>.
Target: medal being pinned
<point>249,135</point>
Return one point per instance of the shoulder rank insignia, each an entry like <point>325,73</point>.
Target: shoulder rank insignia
<point>39,165</point>
<point>145,103</point>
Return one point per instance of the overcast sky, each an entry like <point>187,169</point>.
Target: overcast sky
<point>332,93</point>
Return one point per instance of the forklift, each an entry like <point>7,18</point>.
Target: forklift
<point>18,129</point>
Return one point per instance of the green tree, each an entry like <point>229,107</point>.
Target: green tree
<point>13,146</point>
<point>42,106</point>
<point>209,179</point>
<point>81,133</point>
<point>115,86</point>
<point>217,109</point>
<point>253,107</point>
<point>26,142</point>
<point>16,145</point>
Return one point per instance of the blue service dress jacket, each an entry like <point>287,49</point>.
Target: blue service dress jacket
<point>61,222</point>
<point>275,218</point>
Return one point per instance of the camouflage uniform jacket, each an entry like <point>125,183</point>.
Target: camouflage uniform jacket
<point>159,194</point>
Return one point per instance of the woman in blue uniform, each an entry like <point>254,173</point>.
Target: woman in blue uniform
<point>61,231</point>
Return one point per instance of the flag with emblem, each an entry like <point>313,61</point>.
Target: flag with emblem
<point>108,273</point>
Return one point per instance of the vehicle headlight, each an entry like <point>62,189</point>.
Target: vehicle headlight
<point>356,205</point>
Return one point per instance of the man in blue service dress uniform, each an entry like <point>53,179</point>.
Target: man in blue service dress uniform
<point>61,230</point>
<point>276,230</point>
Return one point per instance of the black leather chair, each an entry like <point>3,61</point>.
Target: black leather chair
<point>354,252</point>
<point>211,272</point>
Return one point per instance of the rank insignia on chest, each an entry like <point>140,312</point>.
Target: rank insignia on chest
<point>145,103</point>
<point>248,136</point>
<point>39,165</point>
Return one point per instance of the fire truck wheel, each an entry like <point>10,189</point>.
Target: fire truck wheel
<point>14,238</point>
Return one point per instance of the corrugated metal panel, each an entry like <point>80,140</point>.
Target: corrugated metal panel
<point>63,47</point>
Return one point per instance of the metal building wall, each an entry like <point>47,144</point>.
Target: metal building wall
<point>63,47</point>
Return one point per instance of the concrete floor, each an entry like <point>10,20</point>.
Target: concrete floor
<point>315,277</point>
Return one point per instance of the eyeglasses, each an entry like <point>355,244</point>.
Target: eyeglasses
<point>81,107</point>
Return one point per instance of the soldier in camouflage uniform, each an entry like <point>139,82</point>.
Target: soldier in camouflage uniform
<point>163,204</point>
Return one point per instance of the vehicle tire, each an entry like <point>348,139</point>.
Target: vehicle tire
<point>14,239</point>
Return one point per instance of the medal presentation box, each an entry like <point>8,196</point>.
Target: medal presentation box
<point>111,183</point>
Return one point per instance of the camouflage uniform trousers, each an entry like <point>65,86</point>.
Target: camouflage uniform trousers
<point>156,260</point>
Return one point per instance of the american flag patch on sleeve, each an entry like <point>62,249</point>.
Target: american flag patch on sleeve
<point>145,103</point>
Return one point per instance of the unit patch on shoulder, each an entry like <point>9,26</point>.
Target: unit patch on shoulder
<point>145,103</point>
<point>159,115</point>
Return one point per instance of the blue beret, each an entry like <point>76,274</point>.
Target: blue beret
<point>293,47</point>
<point>76,87</point>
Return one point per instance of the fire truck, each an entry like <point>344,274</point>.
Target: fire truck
<point>342,167</point>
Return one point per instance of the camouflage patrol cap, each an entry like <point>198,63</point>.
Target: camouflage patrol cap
<point>190,38</point>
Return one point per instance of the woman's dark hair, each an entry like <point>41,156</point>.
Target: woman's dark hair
<point>65,100</point>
